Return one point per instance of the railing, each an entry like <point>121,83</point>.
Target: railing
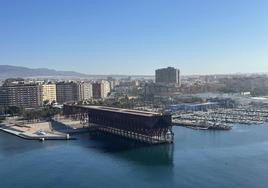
<point>168,138</point>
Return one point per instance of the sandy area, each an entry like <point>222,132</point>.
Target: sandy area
<point>71,123</point>
<point>33,127</point>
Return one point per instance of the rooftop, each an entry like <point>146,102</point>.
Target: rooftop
<point>122,110</point>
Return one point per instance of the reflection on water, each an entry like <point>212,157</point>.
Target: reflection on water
<point>119,147</point>
<point>205,159</point>
<point>129,149</point>
<point>12,145</point>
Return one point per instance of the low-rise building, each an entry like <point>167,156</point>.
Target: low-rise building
<point>160,89</point>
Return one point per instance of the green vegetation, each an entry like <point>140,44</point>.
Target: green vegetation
<point>44,113</point>
<point>154,102</point>
<point>12,110</point>
<point>2,119</point>
<point>40,114</point>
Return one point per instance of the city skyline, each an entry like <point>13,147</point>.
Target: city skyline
<point>133,93</point>
<point>136,37</point>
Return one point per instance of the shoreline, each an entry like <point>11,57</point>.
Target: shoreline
<point>29,136</point>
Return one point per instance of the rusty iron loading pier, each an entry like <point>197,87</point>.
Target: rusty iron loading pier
<point>143,126</point>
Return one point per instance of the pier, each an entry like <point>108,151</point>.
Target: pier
<point>147,127</point>
<point>40,135</point>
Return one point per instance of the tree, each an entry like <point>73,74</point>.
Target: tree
<point>41,114</point>
<point>2,119</point>
<point>32,114</point>
<point>46,102</point>
<point>14,110</point>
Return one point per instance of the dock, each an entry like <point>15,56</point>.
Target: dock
<point>141,126</point>
<point>202,125</point>
<point>38,135</point>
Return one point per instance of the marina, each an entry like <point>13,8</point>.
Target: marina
<point>220,119</point>
<point>202,125</point>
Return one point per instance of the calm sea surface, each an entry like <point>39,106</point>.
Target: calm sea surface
<point>209,159</point>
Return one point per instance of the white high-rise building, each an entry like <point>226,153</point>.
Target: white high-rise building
<point>49,92</point>
<point>84,91</point>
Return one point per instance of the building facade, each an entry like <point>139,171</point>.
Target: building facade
<point>154,89</point>
<point>101,89</point>
<point>21,94</point>
<point>49,92</point>
<point>84,90</point>
<point>167,75</point>
<point>66,92</point>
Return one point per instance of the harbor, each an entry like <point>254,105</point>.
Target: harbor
<point>191,162</point>
<point>202,125</point>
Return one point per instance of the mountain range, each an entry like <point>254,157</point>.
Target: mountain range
<point>8,71</point>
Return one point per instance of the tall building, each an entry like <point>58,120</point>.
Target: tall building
<point>101,89</point>
<point>49,92</point>
<point>84,90</point>
<point>167,75</point>
<point>27,95</point>
<point>66,92</point>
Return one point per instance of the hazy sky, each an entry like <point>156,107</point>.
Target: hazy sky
<point>135,36</point>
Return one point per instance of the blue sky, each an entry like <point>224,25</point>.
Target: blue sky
<point>135,36</point>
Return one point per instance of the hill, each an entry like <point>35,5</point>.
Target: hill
<point>8,71</point>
